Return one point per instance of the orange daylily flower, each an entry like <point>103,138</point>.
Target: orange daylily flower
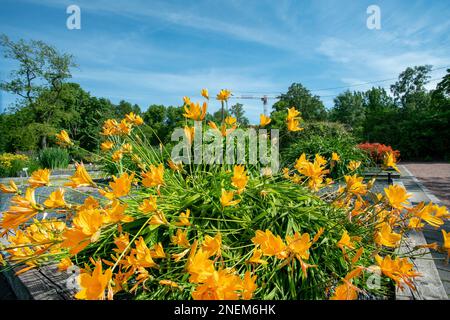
<point>180,238</point>
<point>175,166</point>
<point>148,205</point>
<point>56,199</point>
<point>184,219</point>
<point>158,218</point>
<point>11,189</point>
<point>345,291</point>
<point>230,120</point>
<point>169,283</point>
<point>256,257</point>
<point>120,187</point>
<point>249,285</point>
<point>81,178</point>
<point>141,256</point>
<point>399,269</point>
<point>117,156</point>
<point>64,264</point>
<point>335,157</point>
<point>154,177</point>
<point>116,213</point>
<point>199,266</point>
<point>93,286</point>
<point>212,245</point>
<point>239,178</point>
<point>21,210</point>
<point>270,244</point>
<point>39,178</point>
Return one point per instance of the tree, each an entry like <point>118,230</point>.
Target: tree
<point>237,111</point>
<point>411,83</point>
<point>125,107</point>
<point>349,109</point>
<point>301,98</point>
<point>41,73</point>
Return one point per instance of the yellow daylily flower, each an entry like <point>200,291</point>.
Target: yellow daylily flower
<point>386,237</point>
<point>223,95</point>
<point>205,93</point>
<point>335,157</point>
<point>230,120</point>
<point>107,145</point>
<point>446,245</point>
<point>389,161</point>
<point>63,138</point>
<point>226,199</point>
<point>194,111</point>
<point>397,196</point>
<point>264,120</point>
<point>354,165</point>
<point>134,119</point>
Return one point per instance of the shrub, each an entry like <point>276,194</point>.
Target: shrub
<point>324,138</point>
<point>54,158</point>
<point>11,165</point>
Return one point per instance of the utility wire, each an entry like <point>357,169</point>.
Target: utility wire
<point>340,87</point>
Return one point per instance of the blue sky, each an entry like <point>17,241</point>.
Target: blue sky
<point>152,51</point>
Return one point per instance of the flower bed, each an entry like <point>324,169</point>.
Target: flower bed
<point>173,231</point>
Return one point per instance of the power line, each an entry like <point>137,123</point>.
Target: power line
<point>341,87</point>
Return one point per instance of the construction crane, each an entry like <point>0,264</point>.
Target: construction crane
<point>264,99</point>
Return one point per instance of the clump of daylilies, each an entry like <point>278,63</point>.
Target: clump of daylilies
<point>169,230</point>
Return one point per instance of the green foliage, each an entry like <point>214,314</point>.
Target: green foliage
<point>54,158</point>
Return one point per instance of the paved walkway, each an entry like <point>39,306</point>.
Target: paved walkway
<point>434,176</point>
<point>421,192</point>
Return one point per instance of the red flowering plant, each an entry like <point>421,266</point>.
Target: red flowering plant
<point>377,151</point>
